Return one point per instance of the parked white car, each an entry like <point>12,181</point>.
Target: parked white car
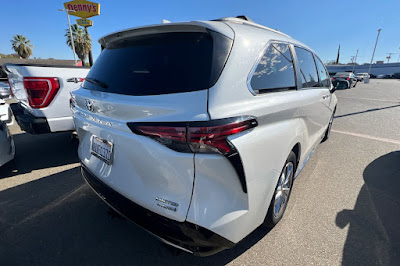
<point>362,76</point>
<point>43,95</point>
<point>7,147</point>
<point>195,131</point>
<point>5,92</point>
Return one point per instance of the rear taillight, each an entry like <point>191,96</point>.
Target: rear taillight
<point>348,78</point>
<point>201,137</point>
<point>41,91</point>
<point>198,137</point>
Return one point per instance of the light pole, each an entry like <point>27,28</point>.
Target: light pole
<point>372,58</point>
<point>355,61</point>
<point>70,31</point>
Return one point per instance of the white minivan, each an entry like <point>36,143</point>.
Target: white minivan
<point>195,131</point>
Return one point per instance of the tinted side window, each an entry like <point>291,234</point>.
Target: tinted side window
<point>308,70</point>
<point>323,75</point>
<point>275,69</point>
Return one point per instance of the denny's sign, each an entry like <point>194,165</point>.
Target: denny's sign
<point>83,8</point>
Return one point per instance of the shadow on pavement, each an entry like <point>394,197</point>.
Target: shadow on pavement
<point>59,220</point>
<point>374,232</point>
<point>367,111</point>
<point>35,152</point>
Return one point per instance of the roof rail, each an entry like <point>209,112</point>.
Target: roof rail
<point>246,20</point>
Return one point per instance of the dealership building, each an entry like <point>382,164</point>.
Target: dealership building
<point>376,69</point>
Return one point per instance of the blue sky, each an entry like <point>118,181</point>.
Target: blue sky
<point>322,25</point>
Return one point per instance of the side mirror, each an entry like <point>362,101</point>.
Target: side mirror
<point>340,84</point>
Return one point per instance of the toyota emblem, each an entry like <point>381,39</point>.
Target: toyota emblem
<point>89,105</point>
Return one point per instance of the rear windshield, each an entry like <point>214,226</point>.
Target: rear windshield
<point>160,63</point>
<point>342,74</point>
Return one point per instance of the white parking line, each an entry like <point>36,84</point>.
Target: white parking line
<point>367,136</point>
<point>369,99</point>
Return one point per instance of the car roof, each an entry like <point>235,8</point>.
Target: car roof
<point>227,26</point>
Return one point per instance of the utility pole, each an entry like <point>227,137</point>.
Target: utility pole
<point>70,31</point>
<point>389,56</point>
<point>355,61</point>
<point>338,54</point>
<point>372,58</point>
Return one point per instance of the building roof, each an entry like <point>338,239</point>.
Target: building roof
<point>38,61</point>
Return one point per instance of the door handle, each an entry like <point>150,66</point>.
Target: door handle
<point>326,96</point>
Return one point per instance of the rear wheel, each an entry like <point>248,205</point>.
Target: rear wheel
<point>282,192</point>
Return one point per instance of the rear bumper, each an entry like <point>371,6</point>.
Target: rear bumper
<point>28,122</point>
<point>188,236</point>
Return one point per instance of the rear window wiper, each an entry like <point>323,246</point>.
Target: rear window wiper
<point>97,82</point>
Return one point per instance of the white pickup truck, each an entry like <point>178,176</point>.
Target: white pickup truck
<point>43,95</point>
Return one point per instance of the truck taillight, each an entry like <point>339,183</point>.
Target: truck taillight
<point>41,91</point>
<point>198,137</point>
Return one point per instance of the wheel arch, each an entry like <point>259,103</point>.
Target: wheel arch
<point>297,151</point>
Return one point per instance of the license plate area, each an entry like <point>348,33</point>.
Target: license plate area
<point>102,149</point>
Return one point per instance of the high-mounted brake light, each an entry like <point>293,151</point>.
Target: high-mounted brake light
<point>41,91</point>
<point>198,137</point>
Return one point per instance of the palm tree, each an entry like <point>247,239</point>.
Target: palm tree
<point>22,46</point>
<point>82,42</point>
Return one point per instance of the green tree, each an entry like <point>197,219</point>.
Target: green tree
<point>22,46</point>
<point>82,42</point>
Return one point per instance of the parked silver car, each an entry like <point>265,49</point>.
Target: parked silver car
<point>5,91</point>
<point>7,147</point>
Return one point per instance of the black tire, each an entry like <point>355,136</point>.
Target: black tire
<point>328,130</point>
<point>273,217</point>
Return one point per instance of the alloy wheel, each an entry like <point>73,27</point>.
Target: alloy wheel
<point>283,190</point>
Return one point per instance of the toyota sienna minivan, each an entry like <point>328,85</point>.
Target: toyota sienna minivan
<point>195,131</point>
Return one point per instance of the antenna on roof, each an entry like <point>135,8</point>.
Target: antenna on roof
<point>245,18</point>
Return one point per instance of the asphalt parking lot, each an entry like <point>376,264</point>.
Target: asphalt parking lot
<point>344,209</point>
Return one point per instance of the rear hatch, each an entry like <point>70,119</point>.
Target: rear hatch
<point>155,74</point>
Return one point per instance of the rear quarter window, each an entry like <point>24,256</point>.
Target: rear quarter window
<point>275,70</point>
<point>160,63</point>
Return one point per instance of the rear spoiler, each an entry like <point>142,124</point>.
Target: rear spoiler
<point>195,26</point>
